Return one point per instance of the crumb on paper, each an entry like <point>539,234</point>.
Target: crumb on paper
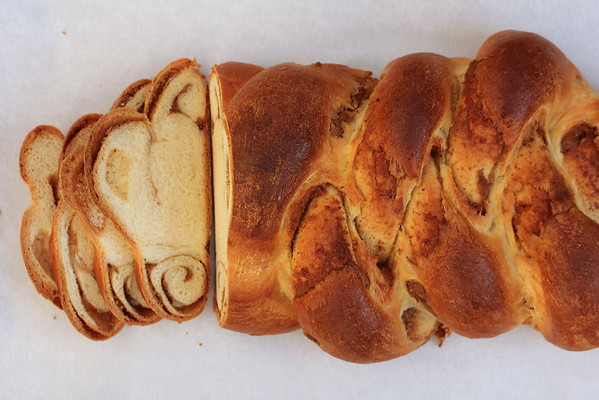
<point>200,344</point>
<point>54,317</point>
<point>441,333</point>
<point>187,333</point>
<point>64,32</point>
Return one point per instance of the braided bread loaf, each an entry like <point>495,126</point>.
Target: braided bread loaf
<point>451,194</point>
<point>110,237</point>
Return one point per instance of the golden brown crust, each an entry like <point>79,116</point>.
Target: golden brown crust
<point>406,108</point>
<point>252,294</point>
<point>561,245</point>
<point>232,76</point>
<point>408,115</point>
<point>255,297</point>
<point>343,320</point>
<point>568,257</point>
<point>580,149</point>
<point>271,160</point>
<point>466,192</point>
<point>472,274</point>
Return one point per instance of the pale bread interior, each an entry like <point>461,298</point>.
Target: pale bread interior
<point>154,179</point>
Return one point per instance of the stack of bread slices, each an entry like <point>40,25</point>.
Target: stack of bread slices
<point>110,236</point>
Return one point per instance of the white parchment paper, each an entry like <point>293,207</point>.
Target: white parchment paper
<point>61,59</point>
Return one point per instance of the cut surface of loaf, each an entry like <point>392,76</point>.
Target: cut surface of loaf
<point>451,194</point>
<point>149,173</point>
<point>38,164</point>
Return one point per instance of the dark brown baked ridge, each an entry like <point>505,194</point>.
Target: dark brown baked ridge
<point>405,110</point>
<point>514,75</point>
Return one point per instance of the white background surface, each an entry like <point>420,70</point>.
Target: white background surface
<point>47,77</point>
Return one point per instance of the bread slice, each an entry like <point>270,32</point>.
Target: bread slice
<point>150,174</point>
<point>73,248</point>
<point>114,261</point>
<point>38,164</point>
<point>134,96</point>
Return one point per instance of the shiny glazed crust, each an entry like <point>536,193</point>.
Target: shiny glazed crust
<point>451,194</point>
